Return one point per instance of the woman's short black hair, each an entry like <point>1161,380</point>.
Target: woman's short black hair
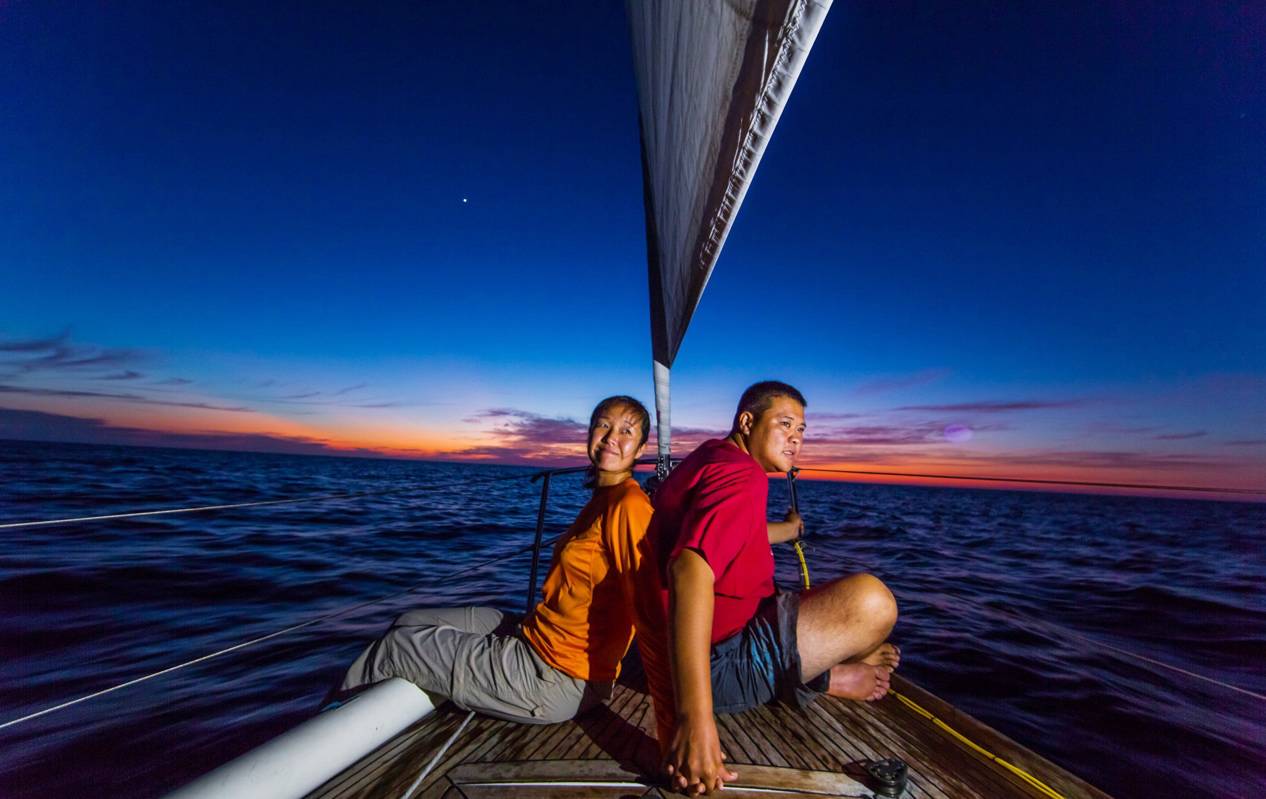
<point>759,396</point>
<point>643,415</point>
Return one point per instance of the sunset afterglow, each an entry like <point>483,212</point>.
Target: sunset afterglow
<point>363,241</point>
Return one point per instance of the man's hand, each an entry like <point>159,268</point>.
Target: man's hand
<point>694,762</point>
<point>789,529</point>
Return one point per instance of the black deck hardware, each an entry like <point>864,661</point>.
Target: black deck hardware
<point>890,776</point>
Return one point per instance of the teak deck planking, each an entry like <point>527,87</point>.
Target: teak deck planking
<point>610,751</point>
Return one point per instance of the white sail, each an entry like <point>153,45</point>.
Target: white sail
<point>713,78</point>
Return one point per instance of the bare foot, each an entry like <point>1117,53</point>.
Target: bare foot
<point>886,655</point>
<point>861,681</point>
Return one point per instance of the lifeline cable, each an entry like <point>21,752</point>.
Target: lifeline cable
<point>1253,491</point>
<point>1059,630</point>
<point>253,641</point>
<point>201,508</point>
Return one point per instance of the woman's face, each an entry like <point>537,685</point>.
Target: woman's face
<point>615,441</point>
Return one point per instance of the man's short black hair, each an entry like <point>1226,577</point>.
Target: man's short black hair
<point>759,396</point>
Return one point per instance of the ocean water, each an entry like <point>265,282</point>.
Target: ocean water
<point>1014,605</point>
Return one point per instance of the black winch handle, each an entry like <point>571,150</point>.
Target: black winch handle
<point>890,776</point>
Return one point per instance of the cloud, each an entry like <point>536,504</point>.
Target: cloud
<point>327,398</point>
<point>887,383</point>
<point>519,436</point>
<point>526,437</point>
<point>125,375</point>
<point>34,344</point>
<point>992,407</point>
<point>57,354</point>
<point>174,381</point>
<point>878,434</point>
<point>1181,436</point>
<point>930,432</point>
<point>1246,442</point>
<point>1115,428</point>
<point>27,425</point>
<point>58,392</point>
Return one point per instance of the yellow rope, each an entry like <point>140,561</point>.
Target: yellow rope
<point>804,567</point>
<point>1042,787</point>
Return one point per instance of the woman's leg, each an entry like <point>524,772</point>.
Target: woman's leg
<point>454,654</point>
<point>467,619</point>
<point>415,648</point>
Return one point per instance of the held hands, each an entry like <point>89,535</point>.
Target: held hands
<point>694,762</point>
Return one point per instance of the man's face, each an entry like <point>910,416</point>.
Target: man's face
<point>775,437</point>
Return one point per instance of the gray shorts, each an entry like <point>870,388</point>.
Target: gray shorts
<point>474,657</point>
<point>761,662</point>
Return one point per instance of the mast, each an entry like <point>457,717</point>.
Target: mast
<point>713,78</point>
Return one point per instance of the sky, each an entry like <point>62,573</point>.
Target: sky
<point>986,239</point>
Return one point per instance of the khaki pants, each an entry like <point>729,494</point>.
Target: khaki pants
<point>473,657</point>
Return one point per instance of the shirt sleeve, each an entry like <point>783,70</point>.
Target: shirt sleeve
<point>719,516</point>
<point>625,532</point>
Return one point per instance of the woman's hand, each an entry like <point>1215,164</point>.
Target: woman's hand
<point>694,762</point>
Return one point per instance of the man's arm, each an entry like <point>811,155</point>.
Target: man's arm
<point>788,529</point>
<point>694,759</point>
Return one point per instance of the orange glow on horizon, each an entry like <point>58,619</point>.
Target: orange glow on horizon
<point>406,440</point>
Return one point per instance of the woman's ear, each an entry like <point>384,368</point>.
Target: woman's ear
<point>745,420</point>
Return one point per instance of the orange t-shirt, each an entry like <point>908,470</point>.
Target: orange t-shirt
<point>584,623</point>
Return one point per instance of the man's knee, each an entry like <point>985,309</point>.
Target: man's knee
<point>879,602</point>
<point>873,601</point>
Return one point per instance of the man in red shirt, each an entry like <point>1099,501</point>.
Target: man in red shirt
<point>714,633</point>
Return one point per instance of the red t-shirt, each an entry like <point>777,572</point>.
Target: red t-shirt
<point>714,503</point>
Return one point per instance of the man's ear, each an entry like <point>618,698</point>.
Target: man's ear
<point>745,420</point>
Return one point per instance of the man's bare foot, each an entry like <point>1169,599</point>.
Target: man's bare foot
<point>886,655</point>
<point>861,681</point>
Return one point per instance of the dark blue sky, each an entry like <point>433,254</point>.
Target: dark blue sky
<point>965,205</point>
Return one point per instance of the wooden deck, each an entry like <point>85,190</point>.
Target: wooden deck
<point>611,752</point>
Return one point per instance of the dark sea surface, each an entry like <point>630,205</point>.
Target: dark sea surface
<point>1010,602</point>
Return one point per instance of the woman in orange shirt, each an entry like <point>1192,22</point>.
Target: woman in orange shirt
<point>564,656</point>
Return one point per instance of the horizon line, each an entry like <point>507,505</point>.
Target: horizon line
<point>908,478</point>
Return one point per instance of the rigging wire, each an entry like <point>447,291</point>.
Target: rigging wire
<point>434,760</point>
<point>258,640</point>
<point>1039,482</point>
<point>1036,783</point>
<point>1061,631</point>
<point>201,508</point>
